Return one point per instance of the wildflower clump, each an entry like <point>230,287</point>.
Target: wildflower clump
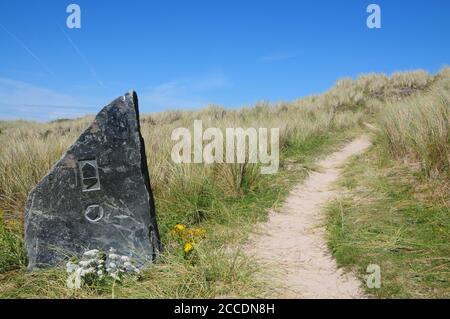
<point>179,228</point>
<point>188,248</point>
<point>96,266</point>
<point>188,237</point>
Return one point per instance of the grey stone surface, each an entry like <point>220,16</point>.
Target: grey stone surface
<point>97,196</point>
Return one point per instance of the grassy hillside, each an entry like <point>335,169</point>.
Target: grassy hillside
<point>396,211</point>
<point>225,200</point>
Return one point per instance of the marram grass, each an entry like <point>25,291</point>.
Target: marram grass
<point>226,200</point>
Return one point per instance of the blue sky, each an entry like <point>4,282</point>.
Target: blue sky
<point>188,54</point>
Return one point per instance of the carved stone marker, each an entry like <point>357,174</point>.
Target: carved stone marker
<point>97,196</point>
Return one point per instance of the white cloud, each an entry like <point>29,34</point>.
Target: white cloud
<point>184,92</point>
<point>21,100</point>
<point>278,57</point>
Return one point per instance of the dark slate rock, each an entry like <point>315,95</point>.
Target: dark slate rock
<point>97,196</point>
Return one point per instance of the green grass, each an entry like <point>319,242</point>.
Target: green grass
<point>386,219</point>
<point>218,267</point>
<point>12,253</point>
<point>396,213</point>
<point>419,129</point>
<point>224,199</point>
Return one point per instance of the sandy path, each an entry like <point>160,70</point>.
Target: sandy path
<point>292,244</point>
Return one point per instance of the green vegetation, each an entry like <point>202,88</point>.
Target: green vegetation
<point>224,199</point>
<point>396,213</point>
<point>12,253</point>
<point>397,219</point>
<point>418,129</point>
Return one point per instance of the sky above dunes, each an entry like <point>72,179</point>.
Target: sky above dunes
<point>188,54</point>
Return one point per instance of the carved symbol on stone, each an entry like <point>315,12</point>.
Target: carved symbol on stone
<point>89,175</point>
<point>94,213</point>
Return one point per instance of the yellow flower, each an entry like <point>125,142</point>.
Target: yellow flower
<point>199,232</point>
<point>180,227</point>
<point>188,248</point>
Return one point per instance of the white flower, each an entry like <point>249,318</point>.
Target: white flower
<point>92,263</point>
<point>113,256</point>
<point>91,253</point>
